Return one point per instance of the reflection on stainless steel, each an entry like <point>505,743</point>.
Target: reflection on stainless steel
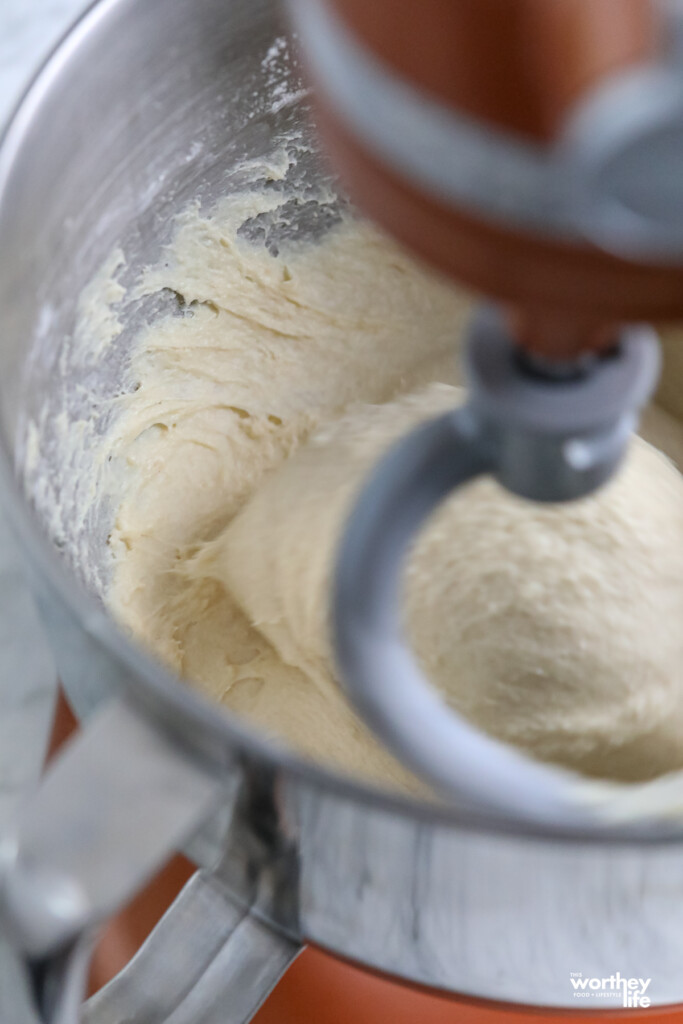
<point>150,103</point>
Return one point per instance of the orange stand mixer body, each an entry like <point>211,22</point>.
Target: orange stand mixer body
<point>509,229</point>
<point>516,71</point>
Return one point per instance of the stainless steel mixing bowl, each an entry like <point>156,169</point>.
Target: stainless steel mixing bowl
<point>146,104</point>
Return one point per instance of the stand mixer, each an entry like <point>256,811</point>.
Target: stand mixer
<point>548,186</point>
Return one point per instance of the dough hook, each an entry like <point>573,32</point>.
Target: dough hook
<point>544,436</point>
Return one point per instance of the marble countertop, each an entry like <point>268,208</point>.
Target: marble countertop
<point>28,30</point>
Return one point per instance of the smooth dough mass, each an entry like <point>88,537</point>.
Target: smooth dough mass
<point>271,396</point>
<point>556,628</point>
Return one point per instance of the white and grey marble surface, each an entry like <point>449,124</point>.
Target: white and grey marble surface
<point>28,30</point>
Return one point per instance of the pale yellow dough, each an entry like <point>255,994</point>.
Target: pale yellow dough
<point>273,347</point>
<point>556,629</point>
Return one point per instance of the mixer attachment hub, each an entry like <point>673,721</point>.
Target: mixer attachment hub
<point>557,430</point>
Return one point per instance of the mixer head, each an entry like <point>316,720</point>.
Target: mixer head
<point>526,148</point>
